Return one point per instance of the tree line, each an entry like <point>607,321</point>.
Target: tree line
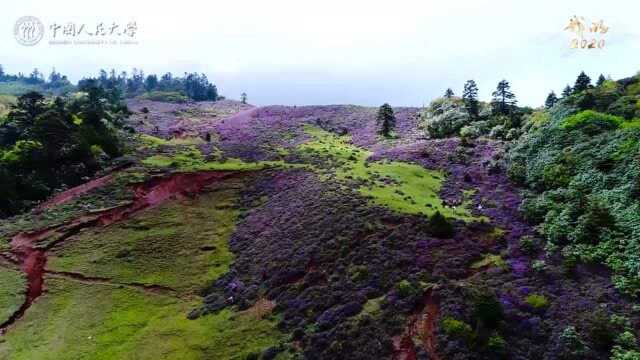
<point>503,101</point>
<point>193,86</point>
<point>49,144</point>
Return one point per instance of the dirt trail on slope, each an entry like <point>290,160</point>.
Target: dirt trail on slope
<point>240,119</point>
<point>421,328</point>
<point>72,193</point>
<point>32,264</point>
<point>29,249</point>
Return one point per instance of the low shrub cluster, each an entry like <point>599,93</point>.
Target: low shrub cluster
<point>537,301</point>
<point>445,117</point>
<point>457,328</point>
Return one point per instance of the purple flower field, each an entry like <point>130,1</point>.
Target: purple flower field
<point>326,256</point>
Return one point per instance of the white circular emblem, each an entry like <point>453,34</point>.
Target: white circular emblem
<point>28,30</point>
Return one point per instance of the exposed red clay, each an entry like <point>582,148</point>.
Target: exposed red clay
<point>404,348</point>
<point>72,193</point>
<point>427,326</point>
<point>422,328</point>
<point>158,190</point>
<point>32,263</point>
<point>32,257</point>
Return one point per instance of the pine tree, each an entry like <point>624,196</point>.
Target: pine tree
<point>35,77</point>
<point>567,91</point>
<point>243,97</point>
<point>503,100</point>
<point>470,98</point>
<point>552,99</point>
<point>449,93</point>
<point>151,82</point>
<point>386,120</point>
<point>583,82</point>
<point>601,80</point>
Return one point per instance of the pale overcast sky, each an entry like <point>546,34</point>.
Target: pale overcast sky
<point>339,51</point>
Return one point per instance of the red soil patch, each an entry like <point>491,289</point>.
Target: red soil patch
<point>32,263</point>
<point>156,191</point>
<point>32,257</point>
<point>65,196</point>
<point>421,328</point>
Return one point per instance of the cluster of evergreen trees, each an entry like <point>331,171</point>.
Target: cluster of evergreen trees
<point>469,117</point>
<point>193,85</point>
<point>50,142</point>
<point>504,111</point>
<point>36,77</point>
<point>54,143</point>
<point>503,99</point>
<point>604,96</point>
<point>502,118</point>
<point>54,81</point>
<point>583,82</point>
<point>503,102</point>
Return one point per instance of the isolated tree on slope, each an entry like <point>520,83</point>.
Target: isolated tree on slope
<point>440,227</point>
<point>470,98</point>
<point>386,120</point>
<point>601,80</point>
<point>567,91</point>
<point>503,99</point>
<point>583,82</point>
<point>552,99</point>
<point>449,93</point>
<point>243,97</point>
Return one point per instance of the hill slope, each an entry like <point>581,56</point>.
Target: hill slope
<point>237,232</point>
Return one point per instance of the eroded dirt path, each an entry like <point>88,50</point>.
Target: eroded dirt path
<point>421,330</point>
<point>32,263</point>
